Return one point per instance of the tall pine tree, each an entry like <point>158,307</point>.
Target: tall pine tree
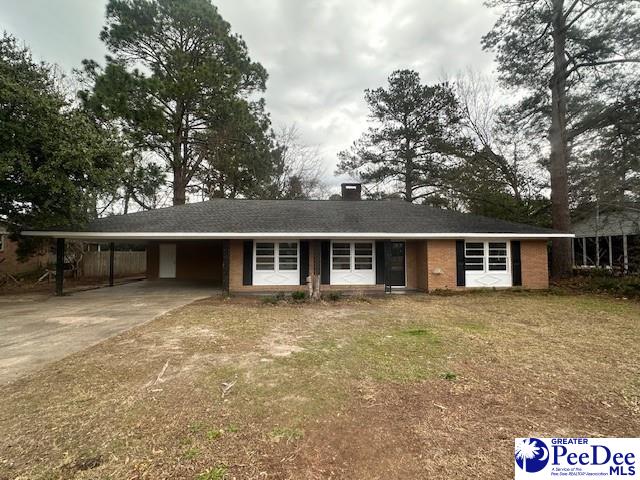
<point>560,53</point>
<point>175,75</point>
<point>413,129</point>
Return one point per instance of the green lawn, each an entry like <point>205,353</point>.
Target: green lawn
<point>417,386</point>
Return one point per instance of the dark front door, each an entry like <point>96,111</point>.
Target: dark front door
<point>397,264</point>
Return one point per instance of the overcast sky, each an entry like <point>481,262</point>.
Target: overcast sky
<point>320,54</point>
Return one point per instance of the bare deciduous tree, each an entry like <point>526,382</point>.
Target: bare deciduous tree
<point>298,169</point>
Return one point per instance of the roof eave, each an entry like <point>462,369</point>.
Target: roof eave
<point>277,235</point>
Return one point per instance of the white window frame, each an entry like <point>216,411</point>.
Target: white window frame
<point>485,256</point>
<point>276,276</point>
<point>489,278</point>
<point>354,276</point>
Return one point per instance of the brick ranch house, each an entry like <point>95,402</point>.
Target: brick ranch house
<point>250,246</point>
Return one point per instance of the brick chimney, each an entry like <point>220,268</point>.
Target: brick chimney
<point>351,191</point>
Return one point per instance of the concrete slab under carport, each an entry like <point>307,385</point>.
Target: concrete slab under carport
<point>37,330</point>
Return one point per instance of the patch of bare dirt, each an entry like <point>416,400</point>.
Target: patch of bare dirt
<point>280,344</point>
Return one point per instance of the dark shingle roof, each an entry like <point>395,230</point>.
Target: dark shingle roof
<point>306,216</point>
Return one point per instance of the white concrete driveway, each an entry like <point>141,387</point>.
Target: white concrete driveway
<point>36,330</point>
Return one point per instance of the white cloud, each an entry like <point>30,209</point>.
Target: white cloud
<point>320,54</point>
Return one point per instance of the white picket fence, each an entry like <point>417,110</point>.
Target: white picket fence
<point>96,264</point>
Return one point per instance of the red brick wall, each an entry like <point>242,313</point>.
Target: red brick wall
<point>441,264</point>
<point>416,263</point>
<point>9,262</point>
<point>535,273</point>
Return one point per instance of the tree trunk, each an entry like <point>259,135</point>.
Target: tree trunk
<point>408,180</point>
<point>179,167</point>
<point>179,186</point>
<point>561,247</point>
<point>126,199</point>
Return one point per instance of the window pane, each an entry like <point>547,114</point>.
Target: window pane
<point>288,249</point>
<point>474,263</point>
<point>474,249</point>
<point>364,266</point>
<point>265,263</point>
<point>288,263</point>
<point>497,249</point>
<point>364,263</point>
<point>474,260</point>
<point>474,267</point>
<point>498,267</point>
<point>498,263</point>
<point>341,249</point>
<point>341,263</point>
<point>364,249</point>
<point>265,249</point>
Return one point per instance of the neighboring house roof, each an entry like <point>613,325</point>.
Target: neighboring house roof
<point>620,222</point>
<point>305,218</point>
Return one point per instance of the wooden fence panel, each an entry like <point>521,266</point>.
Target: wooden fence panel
<point>96,264</point>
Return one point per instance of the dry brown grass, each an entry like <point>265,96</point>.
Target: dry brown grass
<point>395,387</point>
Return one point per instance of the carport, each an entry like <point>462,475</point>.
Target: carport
<point>205,261</point>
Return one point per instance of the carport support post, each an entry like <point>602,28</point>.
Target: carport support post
<point>59,266</point>
<point>225,267</point>
<point>112,248</point>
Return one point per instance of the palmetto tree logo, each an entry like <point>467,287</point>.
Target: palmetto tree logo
<point>532,455</point>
